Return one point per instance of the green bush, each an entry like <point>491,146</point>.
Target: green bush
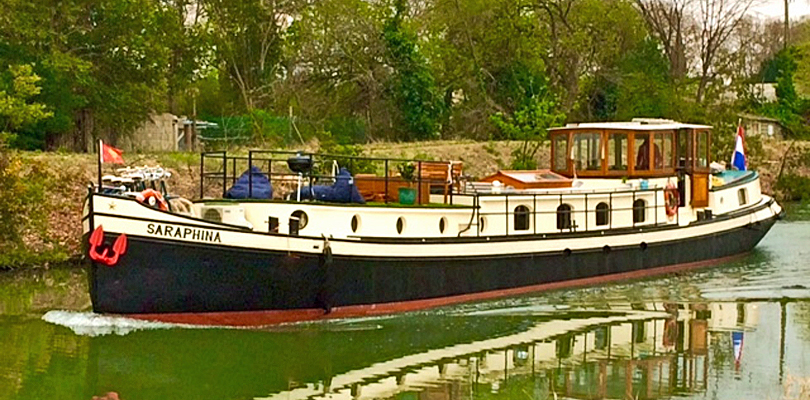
<point>794,187</point>
<point>22,197</point>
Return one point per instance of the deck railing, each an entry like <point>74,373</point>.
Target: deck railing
<point>274,165</point>
<point>571,218</point>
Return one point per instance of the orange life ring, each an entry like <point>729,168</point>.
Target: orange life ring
<point>671,199</point>
<point>153,198</point>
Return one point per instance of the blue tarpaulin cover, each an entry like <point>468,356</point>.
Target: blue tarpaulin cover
<point>261,186</point>
<point>342,191</point>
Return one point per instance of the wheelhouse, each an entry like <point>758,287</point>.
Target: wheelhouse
<point>632,150</point>
<point>636,149</point>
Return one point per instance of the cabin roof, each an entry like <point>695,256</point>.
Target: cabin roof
<point>636,125</point>
<point>532,176</point>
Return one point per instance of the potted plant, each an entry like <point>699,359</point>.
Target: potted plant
<point>407,194</point>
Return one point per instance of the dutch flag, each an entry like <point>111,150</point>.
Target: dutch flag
<point>738,158</point>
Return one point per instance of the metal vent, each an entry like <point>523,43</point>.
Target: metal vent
<point>213,215</point>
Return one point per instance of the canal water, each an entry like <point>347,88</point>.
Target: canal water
<point>740,330</point>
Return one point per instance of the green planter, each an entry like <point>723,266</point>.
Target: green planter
<point>407,195</point>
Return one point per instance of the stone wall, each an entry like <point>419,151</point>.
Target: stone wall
<point>157,133</point>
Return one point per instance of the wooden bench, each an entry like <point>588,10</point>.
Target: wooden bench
<point>427,175</point>
<point>441,174</point>
<point>372,188</point>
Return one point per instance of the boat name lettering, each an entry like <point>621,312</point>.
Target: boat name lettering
<point>184,233</point>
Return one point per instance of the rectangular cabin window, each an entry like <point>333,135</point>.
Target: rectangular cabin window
<point>617,151</point>
<point>742,196</point>
<point>663,150</point>
<point>641,142</point>
<point>702,150</point>
<point>587,151</point>
<point>561,152</point>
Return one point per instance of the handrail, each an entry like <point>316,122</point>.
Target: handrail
<point>225,172</point>
<point>564,198</point>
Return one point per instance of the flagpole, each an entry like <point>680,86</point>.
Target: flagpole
<point>100,155</point>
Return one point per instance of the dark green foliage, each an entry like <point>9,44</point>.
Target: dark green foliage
<point>789,109</point>
<point>794,187</point>
<point>792,184</point>
<point>775,67</point>
<point>638,85</point>
<point>724,120</point>
<point>413,86</point>
<point>533,110</point>
<point>22,193</point>
<point>105,65</point>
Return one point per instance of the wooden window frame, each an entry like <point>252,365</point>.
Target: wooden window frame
<point>585,172</point>
<point>607,171</point>
<point>695,167</point>
<point>554,151</point>
<point>631,171</point>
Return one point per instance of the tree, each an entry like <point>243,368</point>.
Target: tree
<point>413,87</point>
<point>248,36</point>
<point>529,125</point>
<point>21,189</point>
<point>335,53</point>
<point>103,64</point>
<point>668,21</point>
<point>718,21</point>
<point>17,110</point>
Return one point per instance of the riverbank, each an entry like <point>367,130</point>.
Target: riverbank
<point>56,183</point>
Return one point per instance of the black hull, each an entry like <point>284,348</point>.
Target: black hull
<point>157,276</point>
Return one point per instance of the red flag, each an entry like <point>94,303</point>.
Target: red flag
<point>110,154</point>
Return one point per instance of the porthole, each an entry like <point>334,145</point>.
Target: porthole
<point>606,249</point>
<point>643,246</point>
<point>302,218</point>
<point>400,225</point>
<point>442,224</point>
<point>355,223</point>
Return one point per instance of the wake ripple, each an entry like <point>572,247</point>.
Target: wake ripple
<point>91,324</point>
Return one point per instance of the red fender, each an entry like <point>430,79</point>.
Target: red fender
<point>97,239</point>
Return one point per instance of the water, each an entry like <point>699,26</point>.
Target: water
<point>736,331</point>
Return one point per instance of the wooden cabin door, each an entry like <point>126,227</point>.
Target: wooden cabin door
<point>700,189</point>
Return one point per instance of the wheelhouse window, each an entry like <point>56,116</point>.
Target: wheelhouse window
<point>642,147</point>
<point>560,144</point>
<point>702,150</point>
<point>617,149</point>
<point>639,211</point>
<point>602,214</point>
<point>587,151</point>
<point>521,218</point>
<point>564,217</point>
<point>663,150</point>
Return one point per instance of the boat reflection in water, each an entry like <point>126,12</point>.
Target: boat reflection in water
<point>515,349</point>
<point>648,351</point>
